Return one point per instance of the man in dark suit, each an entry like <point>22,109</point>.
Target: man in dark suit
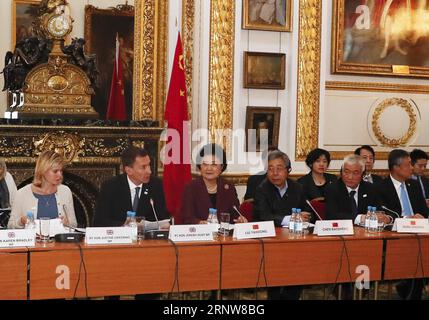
<point>130,191</point>
<point>274,199</point>
<point>350,196</point>
<point>255,180</point>
<point>419,161</point>
<point>403,197</point>
<point>368,154</point>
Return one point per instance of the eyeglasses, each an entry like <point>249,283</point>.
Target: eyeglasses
<point>276,169</point>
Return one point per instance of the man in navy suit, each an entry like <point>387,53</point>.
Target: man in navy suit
<point>350,196</point>
<point>419,161</point>
<point>403,197</point>
<point>130,191</point>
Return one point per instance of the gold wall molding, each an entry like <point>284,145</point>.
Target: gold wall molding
<point>221,68</point>
<point>307,116</point>
<point>150,59</point>
<point>340,155</point>
<point>188,29</point>
<point>376,87</point>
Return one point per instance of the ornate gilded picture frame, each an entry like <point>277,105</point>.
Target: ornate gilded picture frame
<point>101,27</point>
<point>264,70</point>
<point>24,12</point>
<point>267,15</point>
<point>388,38</point>
<point>258,119</point>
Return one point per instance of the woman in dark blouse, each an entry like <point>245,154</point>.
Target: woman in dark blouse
<point>209,190</point>
<point>315,182</point>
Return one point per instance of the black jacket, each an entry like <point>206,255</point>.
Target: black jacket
<point>270,206</point>
<point>312,191</point>
<point>252,183</point>
<point>337,199</point>
<point>389,198</point>
<point>114,201</point>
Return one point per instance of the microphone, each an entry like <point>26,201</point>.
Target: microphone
<point>156,234</point>
<point>315,211</point>
<point>238,211</point>
<point>391,211</point>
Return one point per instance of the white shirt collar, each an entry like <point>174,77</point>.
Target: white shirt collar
<point>396,183</point>
<point>132,185</point>
<point>350,189</point>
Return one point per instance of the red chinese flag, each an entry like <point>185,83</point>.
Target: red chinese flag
<point>116,106</point>
<point>177,173</point>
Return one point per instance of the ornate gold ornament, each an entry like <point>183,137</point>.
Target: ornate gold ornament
<point>150,62</point>
<point>67,144</point>
<point>188,16</point>
<point>378,132</point>
<point>307,117</point>
<point>57,88</point>
<point>221,78</point>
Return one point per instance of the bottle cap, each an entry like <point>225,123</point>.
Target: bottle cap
<point>298,210</point>
<point>212,210</point>
<point>131,214</point>
<point>29,214</point>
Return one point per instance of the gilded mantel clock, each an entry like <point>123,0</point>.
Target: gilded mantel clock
<point>57,89</point>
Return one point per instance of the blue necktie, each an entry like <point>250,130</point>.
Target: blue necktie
<point>406,206</point>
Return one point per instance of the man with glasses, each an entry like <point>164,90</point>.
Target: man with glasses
<point>274,199</point>
<point>403,197</point>
<point>419,161</point>
<point>350,196</point>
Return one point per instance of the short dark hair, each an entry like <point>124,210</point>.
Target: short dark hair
<point>277,154</point>
<point>395,157</point>
<point>313,155</point>
<point>130,154</point>
<point>418,154</point>
<point>367,148</point>
<point>212,149</point>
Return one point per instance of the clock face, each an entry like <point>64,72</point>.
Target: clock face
<point>59,25</point>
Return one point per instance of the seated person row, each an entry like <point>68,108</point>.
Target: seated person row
<point>210,190</point>
<point>419,161</point>
<point>46,196</point>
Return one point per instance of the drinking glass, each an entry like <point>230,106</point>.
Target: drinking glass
<point>380,227</point>
<point>224,219</point>
<point>44,229</point>
<point>140,227</point>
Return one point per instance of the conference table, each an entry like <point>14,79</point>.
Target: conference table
<point>68,270</point>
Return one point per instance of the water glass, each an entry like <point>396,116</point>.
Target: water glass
<point>140,227</point>
<point>380,227</point>
<point>224,219</point>
<point>44,229</point>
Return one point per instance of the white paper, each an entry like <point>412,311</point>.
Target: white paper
<point>55,227</point>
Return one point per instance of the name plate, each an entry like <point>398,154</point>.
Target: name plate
<point>117,235</point>
<point>403,225</point>
<point>192,232</point>
<point>14,238</point>
<point>334,228</point>
<point>254,230</point>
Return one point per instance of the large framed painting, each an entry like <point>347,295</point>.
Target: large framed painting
<point>264,70</point>
<point>101,28</point>
<point>381,37</point>
<point>24,12</point>
<point>264,125</point>
<point>267,15</point>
